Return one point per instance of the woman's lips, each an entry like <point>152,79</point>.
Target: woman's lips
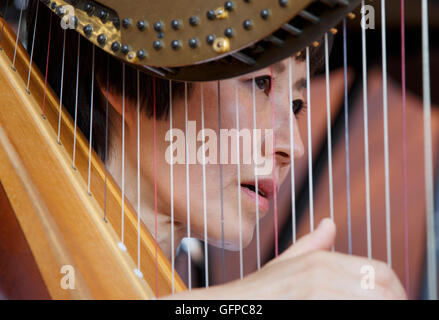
<point>264,195</point>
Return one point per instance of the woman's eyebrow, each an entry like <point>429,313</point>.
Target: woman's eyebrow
<point>279,67</point>
<point>300,84</point>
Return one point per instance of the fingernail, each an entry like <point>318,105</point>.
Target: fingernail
<point>324,221</point>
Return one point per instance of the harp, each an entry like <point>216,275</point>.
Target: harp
<point>61,205</point>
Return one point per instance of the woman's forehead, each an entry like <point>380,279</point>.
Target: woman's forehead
<point>281,67</point>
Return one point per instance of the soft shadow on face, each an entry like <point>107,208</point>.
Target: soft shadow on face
<point>271,99</point>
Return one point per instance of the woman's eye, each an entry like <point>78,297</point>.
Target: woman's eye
<point>264,84</point>
<point>298,105</point>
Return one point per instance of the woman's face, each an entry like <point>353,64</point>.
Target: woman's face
<point>267,101</point>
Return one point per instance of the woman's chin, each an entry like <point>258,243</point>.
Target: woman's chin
<point>232,242</point>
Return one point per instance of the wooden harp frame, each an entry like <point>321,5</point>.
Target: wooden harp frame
<point>36,173</point>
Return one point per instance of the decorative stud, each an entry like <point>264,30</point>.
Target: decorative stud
<point>116,23</point>
<point>115,46</point>
<point>126,22</point>
<point>103,15</point>
<point>283,3</point>
<point>157,44</point>
<point>221,13</point>
<point>211,14</point>
<point>229,6</point>
<point>193,43</point>
<point>125,49</point>
<point>333,31</point>
<point>59,11</point>
<point>89,8</point>
<point>221,45</point>
<point>74,21</point>
<point>102,39</point>
<point>176,24</point>
<point>88,29</point>
<point>229,32</point>
<point>141,25</point>
<point>141,54</point>
<point>351,15</point>
<point>210,39</point>
<point>315,44</point>
<point>247,24</point>
<point>265,13</point>
<point>131,55</point>
<point>193,21</point>
<point>158,26</point>
<point>175,44</point>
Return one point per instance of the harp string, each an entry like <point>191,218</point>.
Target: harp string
<point>172,191</point>
<point>137,271</point>
<point>404,150</point>
<point>346,134</point>
<point>223,257</point>
<point>76,102</point>
<point>328,126</point>
<point>428,158</point>
<point>258,244</point>
<point>62,82</point>
<point>206,263</point>
<point>138,170</point>
<point>366,137</point>
<point>241,270</point>
<point>106,136</point>
<point>292,149</point>
<point>386,132</point>
<point>32,52</point>
<point>275,217</point>
<point>91,118</point>
<point>154,102</point>
<point>18,35</point>
<point>122,232</point>
<point>187,189</point>
<point>47,64</point>
<point>310,175</point>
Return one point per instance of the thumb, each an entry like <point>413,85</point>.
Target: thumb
<point>321,238</point>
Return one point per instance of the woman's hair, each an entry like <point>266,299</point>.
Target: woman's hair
<point>105,66</point>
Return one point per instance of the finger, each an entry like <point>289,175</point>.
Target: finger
<point>377,271</point>
<point>321,238</point>
<point>326,279</point>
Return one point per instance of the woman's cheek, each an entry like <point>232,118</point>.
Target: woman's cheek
<point>283,173</point>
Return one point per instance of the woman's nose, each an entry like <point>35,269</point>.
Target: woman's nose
<point>287,147</point>
<point>298,147</point>
<point>283,150</point>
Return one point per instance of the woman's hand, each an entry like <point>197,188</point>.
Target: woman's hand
<point>308,270</point>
